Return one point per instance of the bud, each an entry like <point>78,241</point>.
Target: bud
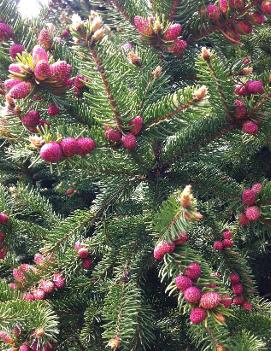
<point>157,72</point>
<point>39,332</point>
<point>247,71</point>
<point>134,59</point>
<point>186,197</point>
<point>36,141</point>
<point>197,216</point>
<point>96,24</point>
<point>206,54</point>
<point>200,93</point>
<point>114,343</point>
<point>98,35</point>
<point>220,318</point>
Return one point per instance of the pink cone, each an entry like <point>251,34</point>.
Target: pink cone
<point>51,152</point>
<point>253,213</point>
<point>173,32</point>
<point>21,90</point>
<point>15,49</point>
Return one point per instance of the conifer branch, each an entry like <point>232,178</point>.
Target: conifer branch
<point>112,101</point>
<point>120,9</point>
<point>220,90</point>
<point>179,109</point>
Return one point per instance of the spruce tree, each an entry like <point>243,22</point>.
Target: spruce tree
<point>135,181</point>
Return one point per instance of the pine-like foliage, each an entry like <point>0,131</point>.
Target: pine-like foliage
<point>135,195</point>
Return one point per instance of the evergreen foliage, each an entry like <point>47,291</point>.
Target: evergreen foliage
<point>103,227</point>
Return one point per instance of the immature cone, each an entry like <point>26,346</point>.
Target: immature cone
<point>234,278</point>
<point>31,119</point>
<point>4,218</point>
<point>240,89</point>
<point>39,259</point>
<point>10,83</point>
<point>210,300</point>
<point>129,141</point>
<point>66,33</point>
<point>173,32</point>
<point>51,152</point>
<point>197,315</point>
<point>18,275</point>
<point>47,286</point>
<point>53,110</point>
<point>6,32</point>
<point>253,213</point>
<point>240,109</point>
<point>257,18</point>
<point>61,71</point>
<point>257,188</point>
<point>45,39</point>
<point>6,338</point>
<point>85,146</point>
<point>218,245</point>
<point>83,252</point>
<point>186,197</point>
<point>213,12</point>
<point>238,300</point>
<point>28,297</point>
<point>223,6</point>
<point>178,47</point>
<point>162,248</point>
<point>15,49</point>
<point>220,318</point>
<point>112,135</point>
<point>247,306</point>
<point>226,300</point>
<point>192,294</point>
<point>39,294</point>
<point>59,280</point>
<point>39,54</point>
<point>21,90</point>
<point>227,243</point>
<point>206,53</point>
<point>227,234</point>
<point>249,197</point>
<point>182,239</point>
<point>243,220</point>
<point>136,124</point>
<point>266,7</point>
<point>87,263</point>
<point>193,271</point>
<point>42,70</point>
<point>143,25</point>
<point>69,146</point>
<point>237,289</point>
<point>254,87</point>
<point>250,127</point>
<point>182,282</point>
